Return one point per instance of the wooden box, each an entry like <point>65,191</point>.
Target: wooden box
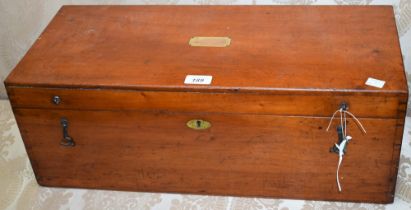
<point>104,99</point>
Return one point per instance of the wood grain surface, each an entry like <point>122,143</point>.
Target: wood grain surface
<point>297,103</point>
<point>245,155</point>
<point>325,48</point>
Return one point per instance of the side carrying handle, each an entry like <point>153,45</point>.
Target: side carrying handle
<point>67,141</point>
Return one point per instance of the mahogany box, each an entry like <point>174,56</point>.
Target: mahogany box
<point>220,100</point>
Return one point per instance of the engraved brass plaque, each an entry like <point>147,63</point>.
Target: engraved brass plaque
<point>198,124</point>
<point>202,41</point>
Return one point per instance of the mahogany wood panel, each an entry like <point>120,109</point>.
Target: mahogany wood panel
<point>327,48</point>
<point>397,142</point>
<point>282,103</point>
<point>241,154</point>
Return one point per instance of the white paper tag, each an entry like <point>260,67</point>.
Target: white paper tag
<point>375,82</point>
<point>198,79</point>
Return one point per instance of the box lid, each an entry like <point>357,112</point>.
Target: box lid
<point>323,48</point>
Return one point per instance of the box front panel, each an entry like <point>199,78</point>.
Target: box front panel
<point>294,103</point>
<point>238,154</point>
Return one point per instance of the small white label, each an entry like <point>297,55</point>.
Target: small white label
<point>375,82</point>
<point>198,79</point>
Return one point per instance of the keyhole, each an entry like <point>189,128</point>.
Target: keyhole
<point>198,124</point>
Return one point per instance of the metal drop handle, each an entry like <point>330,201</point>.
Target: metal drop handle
<point>67,140</point>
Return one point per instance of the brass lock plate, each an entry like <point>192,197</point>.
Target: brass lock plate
<point>198,124</point>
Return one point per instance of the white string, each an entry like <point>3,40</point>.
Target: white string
<point>332,117</point>
<point>356,120</point>
<point>341,148</point>
<point>346,139</point>
<point>341,121</point>
<point>345,125</point>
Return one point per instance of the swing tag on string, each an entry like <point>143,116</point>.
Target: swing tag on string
<point>343,137</point>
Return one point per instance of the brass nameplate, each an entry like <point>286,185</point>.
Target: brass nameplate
<point>202,41</point>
